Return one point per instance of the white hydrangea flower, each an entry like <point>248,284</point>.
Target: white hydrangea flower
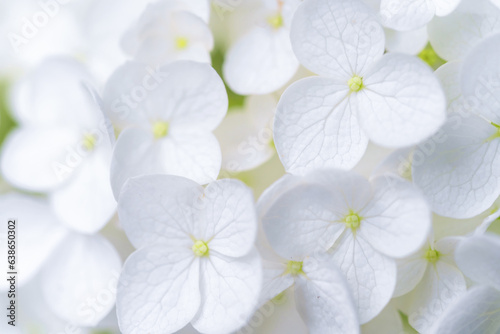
<point>246,135</point>
<point>476,312</point>
<point>262,60</point>
<point>430,281</point>
<point>395,100</point>
<point>364,226</point>
<point>62,145</point>
<point>460,176</point>
<point>168,114</point>
<point>455,35</point>
<point>77,272</point>
<point>407,15</point>
<point>171,30</point>
<point>196,260</point>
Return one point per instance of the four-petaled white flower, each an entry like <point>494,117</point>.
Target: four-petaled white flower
<point>407,15</point>
<point>477,311</point>
<point>431,280</point>
<point>461,175</point>
<point>393,99</point>
<point>262,60</point>
<point>363,226</point>
<point>168,114</point>
<point>196,260</point>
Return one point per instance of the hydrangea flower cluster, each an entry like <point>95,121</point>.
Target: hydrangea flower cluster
<point>252,166</point>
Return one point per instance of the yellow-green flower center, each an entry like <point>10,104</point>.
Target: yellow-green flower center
<point>432,255</point>
<point>160,129</point>
<point>355,83</point>
<point>181,43</point>
<point>294,268</point>
<point>352,220</point>
<point>89,141</point>
<point>275,21</point>
<point>200,248</point>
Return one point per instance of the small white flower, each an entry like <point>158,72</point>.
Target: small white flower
<point>460,175</point>
<point>196,260</point>
<point>363,226</point>
<point>77,272</point>
<point>430,281</point>
<point>262,61</point>
<point>170,30</point>
<point>62,145</point>
<point>168,114</point>
<point>246,135</point>
<point>407,15</point>
<point>393,99</point>
<point>455,35</point>
<point>476,312</point>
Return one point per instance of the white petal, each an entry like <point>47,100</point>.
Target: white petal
<point>195,156</point>
<point>40,158</point>
<point>229,217</point>
<point>486,223</point>
<point>405,15</point>
<point>38,232</point>
<point>324,301</point>
<point>371,275</point>
<point>275,281</point>
<point>445,7</point>
<point>476,312</point>
<point>480,78</point>
<point>158,290</point>
<point>449,76</point>
<point>159,209</point>
<point>54,94</point>
<point>397,221</point>
<point>261,62</point>
<point>441,285</point>
<point>479,259</point>
<point>459,174</point>
<point>315,126</point>
<point>230,290</point>
<point>408,42</point>
<point>245,136</point>
<point>410,273</point>
<point>336,38</point>
<point>453,36</point>
<point>79,285</point>
<point>86,202</point>
<point>397,164</point>
<point>402,102</point>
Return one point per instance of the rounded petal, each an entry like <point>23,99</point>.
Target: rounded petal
<point>86,202</point>
<point>405,15</point>
<point>480,79</point>
<point>316,127</point>
<point>275,281</point>
<point>231,221</point>
<point>458,173</point>
<point>195,156</point>
<point>479,259</point>
<point>261,62</point>
<point>79,285</point>
<point>53,94</point>
<point>407,42</point>
<point>229,292</point>
<point>371,275</point>
<point>158,290</point>
<point>39,159</point>
<point>159,209</point>
<point>475,312</point>
<point>440,287</point>
<point>402,102</point>
<point>38,233</point>
<point>410,273</point>
<point>445,7</point>
<point>449,76</point>
<point>323,299</point>
<point>397,221</point>
<point>337,39</point>
<point>453,36</point>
